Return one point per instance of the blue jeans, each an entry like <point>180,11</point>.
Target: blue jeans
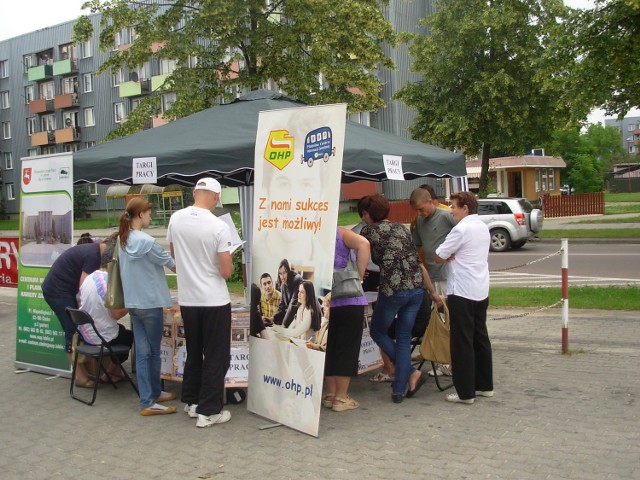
<point>147,331</point>
<point>405,304</point>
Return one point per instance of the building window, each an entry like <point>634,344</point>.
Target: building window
<point>538,179</point>
<point>70,119</point>
<point>4,68</point>
<point>192,61</point>
<point>8,161</point>
<point>118,112</point>
<point>4,99</point>
<point>117,78</point>
<point>66,51</point>
<point>11,194</point>
<point>29,93</point>
<point>133,35</point>
<point>543,185</point>
<point>168,100</point>
<point>70,85</point>
<point>27,62</point>
<point>89,119</point>
<point>47,90</point>
<point>32,125</point>
<point>6,130</point>
<point>85,49</point>
<point>32,152</point>
<point>48,123</point>
<point>632,149</point>
<point>89,144</point>
<point>631,127</point>
<point>48,150</point>
<point>552,180</point>
<point>117,40</point>
<point>93,189</point>
<point>70,147</point>
<point>87,83</point>
<point>45,57</point>
<point>167,66</point>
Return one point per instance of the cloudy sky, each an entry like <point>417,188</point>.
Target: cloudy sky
<point>23,16</point>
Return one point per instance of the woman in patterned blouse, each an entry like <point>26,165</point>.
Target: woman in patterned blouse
<point>402,282</point>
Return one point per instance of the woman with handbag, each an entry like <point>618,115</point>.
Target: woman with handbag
<point>142,261</point>
<point>345,329</point>
<point>402,282</point>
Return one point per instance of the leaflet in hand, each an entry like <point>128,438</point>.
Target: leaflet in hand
<point>236,241</point>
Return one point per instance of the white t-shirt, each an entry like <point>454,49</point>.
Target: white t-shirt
<point>469,240</point>
<point>198,236</point>
<point>92,293</point>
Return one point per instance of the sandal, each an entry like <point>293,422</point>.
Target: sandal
<point>86,384</point>
<point>381,377</point>
<point>327,400</point>
<point>344,404</point>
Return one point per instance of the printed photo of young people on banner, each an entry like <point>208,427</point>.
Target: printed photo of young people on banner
<point>46,231</point>
<point>298,167</point>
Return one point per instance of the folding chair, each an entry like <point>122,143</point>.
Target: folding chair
<point>415,343</point>
<point>97,352</point>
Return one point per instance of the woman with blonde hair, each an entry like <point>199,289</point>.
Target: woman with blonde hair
<point>142,261</point>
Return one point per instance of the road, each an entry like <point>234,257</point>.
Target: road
<point>589,264</point>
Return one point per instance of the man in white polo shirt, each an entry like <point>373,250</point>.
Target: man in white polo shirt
<point>200,244</point>
<point>466,249</point>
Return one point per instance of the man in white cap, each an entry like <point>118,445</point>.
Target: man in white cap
<point>200,244</point>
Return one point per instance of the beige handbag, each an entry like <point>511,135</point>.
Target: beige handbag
<point>435,344</point>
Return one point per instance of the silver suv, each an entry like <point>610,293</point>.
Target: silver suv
<point>511,221</point>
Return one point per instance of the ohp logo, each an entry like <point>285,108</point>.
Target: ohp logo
<point>279,149</point>
<point>26,175</point>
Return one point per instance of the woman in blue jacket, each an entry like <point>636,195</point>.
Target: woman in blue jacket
<point>142,261</point>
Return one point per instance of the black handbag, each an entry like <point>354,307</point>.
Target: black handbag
<point>346,281</point>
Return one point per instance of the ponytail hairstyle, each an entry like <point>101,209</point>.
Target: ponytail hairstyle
<point>134,208</point>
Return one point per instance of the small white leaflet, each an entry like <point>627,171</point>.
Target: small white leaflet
<point>393,167</point>
<point>236,241</point>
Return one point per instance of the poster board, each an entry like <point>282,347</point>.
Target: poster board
<point>46,230</point>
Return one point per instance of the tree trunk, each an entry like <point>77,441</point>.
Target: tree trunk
<point>484,170</point>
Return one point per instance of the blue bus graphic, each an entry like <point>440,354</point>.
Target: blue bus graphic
<point>318,144</point>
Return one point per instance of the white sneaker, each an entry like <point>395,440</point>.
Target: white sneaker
<point>433,373</point>
<point>484,393</point>
<point>191,410</point>
<point>453,397</point>
<point>208,421</point>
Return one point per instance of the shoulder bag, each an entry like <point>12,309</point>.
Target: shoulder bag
<point>114,298</point>
<point>435,344</point>
<point>346,281</point>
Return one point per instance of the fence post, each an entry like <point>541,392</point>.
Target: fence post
<point>565,295</point>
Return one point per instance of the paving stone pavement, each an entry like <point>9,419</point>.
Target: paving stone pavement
<point>554,416</point>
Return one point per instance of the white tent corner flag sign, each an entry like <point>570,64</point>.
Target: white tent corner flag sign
<point>393,167</point>
<point>145,170</point>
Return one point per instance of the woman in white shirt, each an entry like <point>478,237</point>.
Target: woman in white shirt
<point>307,319</point>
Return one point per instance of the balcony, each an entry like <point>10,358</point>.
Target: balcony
<point>69,134</point>
<point>133,89</point>
<point>41,105</point>
<point>65,67</point>
<point>42,138</point>
<point>67,100</point>
<point>158,121</point>
<point>157,81</point>
<point>41,72</point>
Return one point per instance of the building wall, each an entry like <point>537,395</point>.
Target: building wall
<point>630,129</point>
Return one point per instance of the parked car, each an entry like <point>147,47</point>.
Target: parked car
<point>511,221</point>
<point>566,190</point>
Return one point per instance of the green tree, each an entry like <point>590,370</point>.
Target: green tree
<point>606,144</point>
<point>606,40</point>
<point>487,77</point>
<point>585,176</point>
<point>82,200</point>
<point>319,51</point>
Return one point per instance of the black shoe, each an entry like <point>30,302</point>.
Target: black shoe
<point>419,383</point>
<point>396,398</point>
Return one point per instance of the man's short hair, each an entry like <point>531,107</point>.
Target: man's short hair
<point>468,199</point>
<point>430,189</point>
<point>419,195</point>
<point>265,275</point>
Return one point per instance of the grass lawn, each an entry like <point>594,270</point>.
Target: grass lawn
<point>606,298</point>
<point>592,233</point>
<point>612,220</point>
<point>622,197</point>
<point>615,209</point>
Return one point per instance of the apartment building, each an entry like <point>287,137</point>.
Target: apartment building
<point>53,101</point>
<point>630,129</point>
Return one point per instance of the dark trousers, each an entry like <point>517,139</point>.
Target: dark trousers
<point>207,331</point>
<point>471,359</point>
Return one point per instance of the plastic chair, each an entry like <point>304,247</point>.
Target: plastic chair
<point>97,352</point>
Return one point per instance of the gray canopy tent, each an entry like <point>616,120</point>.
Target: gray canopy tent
<point>220,142</point>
